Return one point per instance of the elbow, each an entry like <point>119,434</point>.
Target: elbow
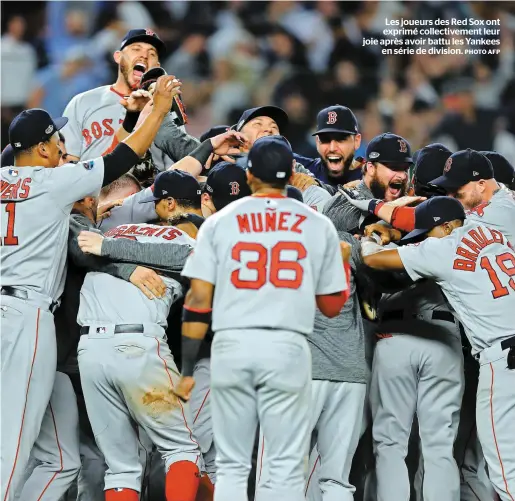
<point>331,304</point>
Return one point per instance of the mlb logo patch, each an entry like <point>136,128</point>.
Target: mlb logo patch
<point>13,172</point>
<point>101,330</point>
<point>88,165</point>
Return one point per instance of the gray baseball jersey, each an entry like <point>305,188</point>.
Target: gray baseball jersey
<point>36,205</point>
<point>473,266</point>
<point>101,292</point>
<point>93,119</point>
<point>316,197</point>
<point>279,247</point>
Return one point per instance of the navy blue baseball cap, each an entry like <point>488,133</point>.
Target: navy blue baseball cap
<point>274,112</point>
<point>225,183</point>
<point>503,170</point>
<point>434,212</point>
<point>295,193</point>
<point>174,184</point>
<point>462,168</point>
<point>430,161</point>
<point>214,131</point>
<point>144,35</point>
<point>271,159</point>
<point>390,150</point>
<point>33,126</point>
<point>336,119</point>
<point>7,156</point>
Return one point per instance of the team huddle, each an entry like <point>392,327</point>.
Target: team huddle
<point>167,327</point>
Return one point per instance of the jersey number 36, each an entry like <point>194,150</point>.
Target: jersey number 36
<point>268,265</point>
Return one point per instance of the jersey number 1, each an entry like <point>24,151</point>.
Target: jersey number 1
<point>268,270</point>
<point>10,238</point>
<point>502,261</point>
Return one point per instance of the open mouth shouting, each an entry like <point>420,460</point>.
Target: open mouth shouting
<point>335,163</point>
<point>396,188</point>
<point>138,70</point>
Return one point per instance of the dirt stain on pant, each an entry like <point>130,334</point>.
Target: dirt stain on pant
<point>159,402</point>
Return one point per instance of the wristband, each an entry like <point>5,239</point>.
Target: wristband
<point>374,205</point>
<point>201,153</point>
<point>130,120</point>
<point>196,315</point>
<point>189,352</point>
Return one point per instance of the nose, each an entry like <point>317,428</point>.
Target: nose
<point>333,145</point>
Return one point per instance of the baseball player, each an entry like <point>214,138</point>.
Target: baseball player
<point>128,371</point>
<point>337,139</point>
<point>281,255</point>
<point>469,177</point>
<point>472,262</point>
<point>29,296</point>
<point>95,116</point>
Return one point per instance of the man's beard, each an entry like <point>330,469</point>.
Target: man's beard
<point>378,188</point>
<point>346,166</point>
<point>125,70</point>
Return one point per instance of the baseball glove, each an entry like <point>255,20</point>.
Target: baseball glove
<point>147,82</point>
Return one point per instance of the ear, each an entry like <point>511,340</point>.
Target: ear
<point>171,204</point>
<point>250,177</point>
<point>88,202</point>
<point>357,141</point>
<point>370,168</point>
<point>117,56</point>
<point>43,150</point>
<point>205,197</point>
<point>317,140</point>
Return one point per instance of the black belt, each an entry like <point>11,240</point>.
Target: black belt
<point>118,329</point>
<point>444,316</point>
<point>11,291</point>
<point>22,294</point>
<point>508,343</point>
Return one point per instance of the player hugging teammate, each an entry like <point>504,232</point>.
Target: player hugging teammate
<point>326,305</point>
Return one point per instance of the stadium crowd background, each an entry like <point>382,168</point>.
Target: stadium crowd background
<point>301,56</point>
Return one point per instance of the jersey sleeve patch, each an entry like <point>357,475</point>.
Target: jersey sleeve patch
<point>88,165</point>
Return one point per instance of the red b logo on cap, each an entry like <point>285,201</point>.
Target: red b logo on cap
<point>448,164</point>
<point>235,187</point>
<point>150,33</point>
<point>403,147</point>
<point>331,117</point>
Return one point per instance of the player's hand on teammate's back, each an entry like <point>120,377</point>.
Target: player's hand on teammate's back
<point>302,181</point>
<point>103,210</point>
<point>136,101</point>
<point>90,242</point>
<point>184,388</point>
<point>386,233</point>
<point>228,143</point>
<point>167,87</point>
<point>148,282</point>
<point>345,249</point>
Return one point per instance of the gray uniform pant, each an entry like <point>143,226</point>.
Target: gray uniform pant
<point>260,376</point>
<point>127,380</point>
<point>424,376</point>
<point>337,419</point>
<point>495,418</point>
<point>201,411</point>
<point>28,362</point>
<point>54,461</point>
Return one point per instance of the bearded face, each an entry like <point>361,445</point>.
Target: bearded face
<point>337,151</point>
<point>388,184</point>
<point>136,59</point>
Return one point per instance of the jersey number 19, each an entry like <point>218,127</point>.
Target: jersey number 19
<point>268,265</point>
<point>506,262</point>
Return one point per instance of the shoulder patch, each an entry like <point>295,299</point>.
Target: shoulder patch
<point>88,165</point>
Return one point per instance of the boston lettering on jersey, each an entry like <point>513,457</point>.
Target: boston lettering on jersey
<point>469,250</point>
<point>270,220</point>
<point>97,130</point>
<point>20,189</point>
<point>133,231</point>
